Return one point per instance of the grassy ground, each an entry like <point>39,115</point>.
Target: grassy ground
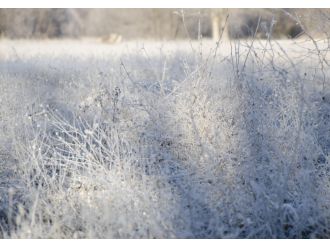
<point>164,140</point>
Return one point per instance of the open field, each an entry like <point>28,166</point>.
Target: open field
<point>164,139</point>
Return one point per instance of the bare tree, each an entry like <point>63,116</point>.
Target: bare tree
<point>219,27</point>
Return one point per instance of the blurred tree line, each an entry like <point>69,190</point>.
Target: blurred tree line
<point>158,23</point>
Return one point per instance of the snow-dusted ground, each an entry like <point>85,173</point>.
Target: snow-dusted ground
<point>164,139</point>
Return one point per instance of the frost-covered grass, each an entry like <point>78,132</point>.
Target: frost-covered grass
<point>164,140</point>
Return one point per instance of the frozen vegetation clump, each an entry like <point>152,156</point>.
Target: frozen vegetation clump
<point>227,140</point>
